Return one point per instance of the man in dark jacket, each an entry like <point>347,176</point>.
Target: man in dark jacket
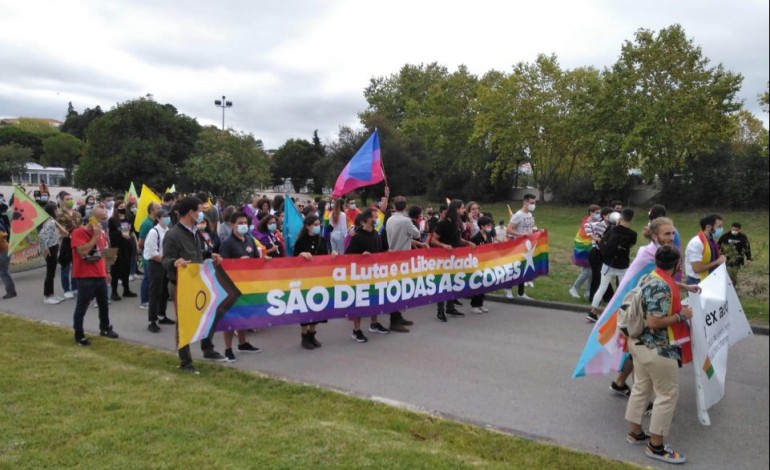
<point>183,245</point>
<point>365,241</point>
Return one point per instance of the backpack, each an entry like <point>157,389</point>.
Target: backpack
<point>608,245</point>
<point>631,318</point>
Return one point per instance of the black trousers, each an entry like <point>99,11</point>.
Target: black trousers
<point>158,290</point>
<point>121,270</point>
<point>477,300</point>
<point>50,270</point>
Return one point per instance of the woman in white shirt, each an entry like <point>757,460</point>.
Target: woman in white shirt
<point>153,251</point>
<point>338,221</point>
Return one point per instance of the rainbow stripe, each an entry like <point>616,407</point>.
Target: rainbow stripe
<point>581,247</point>
<point>708,368</point>
<point>286,291</point>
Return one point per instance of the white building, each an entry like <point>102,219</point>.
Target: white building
<point>36,173</point>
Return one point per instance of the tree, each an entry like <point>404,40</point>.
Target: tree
<point>319,171</point>
<point>228,165</point>
<point>663,104</point>
<point>13,160</point>
<point>13,134</point>
<point>140,141</point>
<point>77,124</point>
<point>295,160</point>
<point>62,150</point>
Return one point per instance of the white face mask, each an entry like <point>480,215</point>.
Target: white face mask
<point>531,207</point>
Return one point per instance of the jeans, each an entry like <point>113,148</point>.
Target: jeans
<point>5,272</point>
<point>68,283</point>
<point>692,281</point>
<point>338,241</point>
<point>607,274</point>
<point>50,270</point>
<point>88,288</point>
<point>583,277</point>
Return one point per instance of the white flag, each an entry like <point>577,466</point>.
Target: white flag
<point>718,322</point>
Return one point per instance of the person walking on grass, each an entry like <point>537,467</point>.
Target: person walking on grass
<point>88,267</point>
<point>239,245</point>
<point>183,245</point>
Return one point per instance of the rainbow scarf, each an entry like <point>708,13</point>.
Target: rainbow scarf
<point>678,333</point>
<point>710,253</point>
<point>581,246</point>
<point>254,293</point>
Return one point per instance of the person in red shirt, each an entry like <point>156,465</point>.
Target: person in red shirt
<point>88,267</point>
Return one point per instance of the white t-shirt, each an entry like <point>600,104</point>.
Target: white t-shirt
<point>523,222</point>
<point>342,225</point>
<point>693,252</point>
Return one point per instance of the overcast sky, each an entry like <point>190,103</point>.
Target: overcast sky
<point>293,66</point>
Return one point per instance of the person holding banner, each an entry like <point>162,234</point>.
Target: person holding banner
<point>310,243</point>
<point>702,255</point>
<point>656,358</point>
<point>183,245</point>
<point>447,235</point>
<point>522,224</point>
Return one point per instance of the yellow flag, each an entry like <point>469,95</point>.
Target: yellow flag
<point>145,198</point>
<point>510,212</point>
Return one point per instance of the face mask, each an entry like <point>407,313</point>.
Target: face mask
<point>201,226</point>
<point>133,210</point>
<point>69,204</point>
<point>90,204</point>
<point>121,211</point>
<point>596,217</point>
<point>272,227</point>
<point>166,220</point>
<point>734,232</point>
<point>531,207</point>
<point>110,204</point>
<point>200,217</point>
<point>243,229</point>
<point>488,230</point>
<point>316,229</point>
<point>43,198</point>
<point>352,206</point>
<point>718,232</point>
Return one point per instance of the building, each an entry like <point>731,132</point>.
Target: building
<point>36,173</point>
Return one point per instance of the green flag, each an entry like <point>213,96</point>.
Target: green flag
<point>27,216</point>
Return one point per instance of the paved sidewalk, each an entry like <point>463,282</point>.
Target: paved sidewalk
<point>509,369</point>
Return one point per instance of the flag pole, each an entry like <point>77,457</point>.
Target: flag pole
<point>382,164</point>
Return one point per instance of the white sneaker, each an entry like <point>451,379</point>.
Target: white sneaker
<point>574,293</point>
<point>525,297</point>
<point>476,310</point>
<point>69,295</point>
<point>131,277</point>
<point>484,309</point>
<point>508,294</point>
<point>529,284</point>
<point>145,306</point>
<point>51,300</point>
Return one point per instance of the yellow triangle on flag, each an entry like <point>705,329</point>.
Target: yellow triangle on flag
<point>145,199</point>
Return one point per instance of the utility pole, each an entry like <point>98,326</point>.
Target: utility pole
<point>223,104</point>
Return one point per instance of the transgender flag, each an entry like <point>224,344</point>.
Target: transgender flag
<point>364,169</point>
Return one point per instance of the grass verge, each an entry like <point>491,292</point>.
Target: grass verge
<point>117,405</point>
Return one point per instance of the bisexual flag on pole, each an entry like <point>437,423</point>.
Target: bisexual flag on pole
<point>364,169</point>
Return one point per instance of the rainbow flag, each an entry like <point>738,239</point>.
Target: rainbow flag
<point>581,246</point>
<point>254,293</point>
<point>604,352</point>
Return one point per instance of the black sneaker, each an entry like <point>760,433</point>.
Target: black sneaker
<point>405,322</point>
<point>592,317</point>
<point>166,321</point>
<point>115,296</point>
<point>83,341</point>
<point>451,310</point>
<point>306,342</point>
<point>229,356</point>
<point>313,341</point>
<point>129,294</point>
<point>109,333</point>
<point>248,348</point>
<point>455,302</point>
<point>189,368</point>
<point>377,328</point>
<point>441,317</point>
<point>212,355</point>
<point>9,295</point>
<point>358,335</point>
<point>153,327</point>
<point>625,390</point>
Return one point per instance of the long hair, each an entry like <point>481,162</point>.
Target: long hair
<point>338,204</point>
<point>451,212</point>
<point>308,222</point>
<point>264,221</point>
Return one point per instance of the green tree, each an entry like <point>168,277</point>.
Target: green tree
<point>319,170</point>
<point>295,160</point>
<point>15,135</point>
<point>764,99</point>
<point>229,165</point>
<point>62,150</point>
<point>663,104</point>
<point>13,159</point>
<point>40,127</point>
<point>140,141</point>
<point>77,124</point>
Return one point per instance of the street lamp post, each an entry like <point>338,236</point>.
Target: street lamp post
<point>223,104</point>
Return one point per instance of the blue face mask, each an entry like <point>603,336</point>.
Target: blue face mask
<point>243,229</point>
<point>272,227</point>
<point>166,220</point>
<point>200,217</point>
<point>718,232</point>
<point>316,230</point>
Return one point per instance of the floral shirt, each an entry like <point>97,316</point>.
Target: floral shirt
<point>656,300</point>
<point>49,235</point>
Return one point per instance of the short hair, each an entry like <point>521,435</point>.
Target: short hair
<point>149,206</point>
<point>237,215</point>
<point>442,208</point>
<point>187,204</point>
<point>399,203</point>
<point>593,208</point>
<point>502,222</point>
<point>627,214</point>
<point>710,219</point>
<point>616,203</point>
<point>104,196</point>
<point>657,210</point>
<point>484,220</point>
<point>414,212</point>
<point>606,210</point>
<point>736,225</point>
<point>203,196</point>
<point>528,196</point>
<point>168,197</point>
<point>366,215</point>
<point>667,257</point>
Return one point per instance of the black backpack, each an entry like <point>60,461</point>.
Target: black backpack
<point>608,245</point>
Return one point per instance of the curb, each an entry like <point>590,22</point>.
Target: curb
<point>756,329</point>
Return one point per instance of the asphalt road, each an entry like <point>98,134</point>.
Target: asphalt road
<point>508,369</point>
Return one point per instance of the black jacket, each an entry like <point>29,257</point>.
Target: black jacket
<point>364,241</point>
<point>180,242</point>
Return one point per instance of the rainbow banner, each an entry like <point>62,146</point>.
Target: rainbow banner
<point>256,293</point>
<point>581,246</point>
